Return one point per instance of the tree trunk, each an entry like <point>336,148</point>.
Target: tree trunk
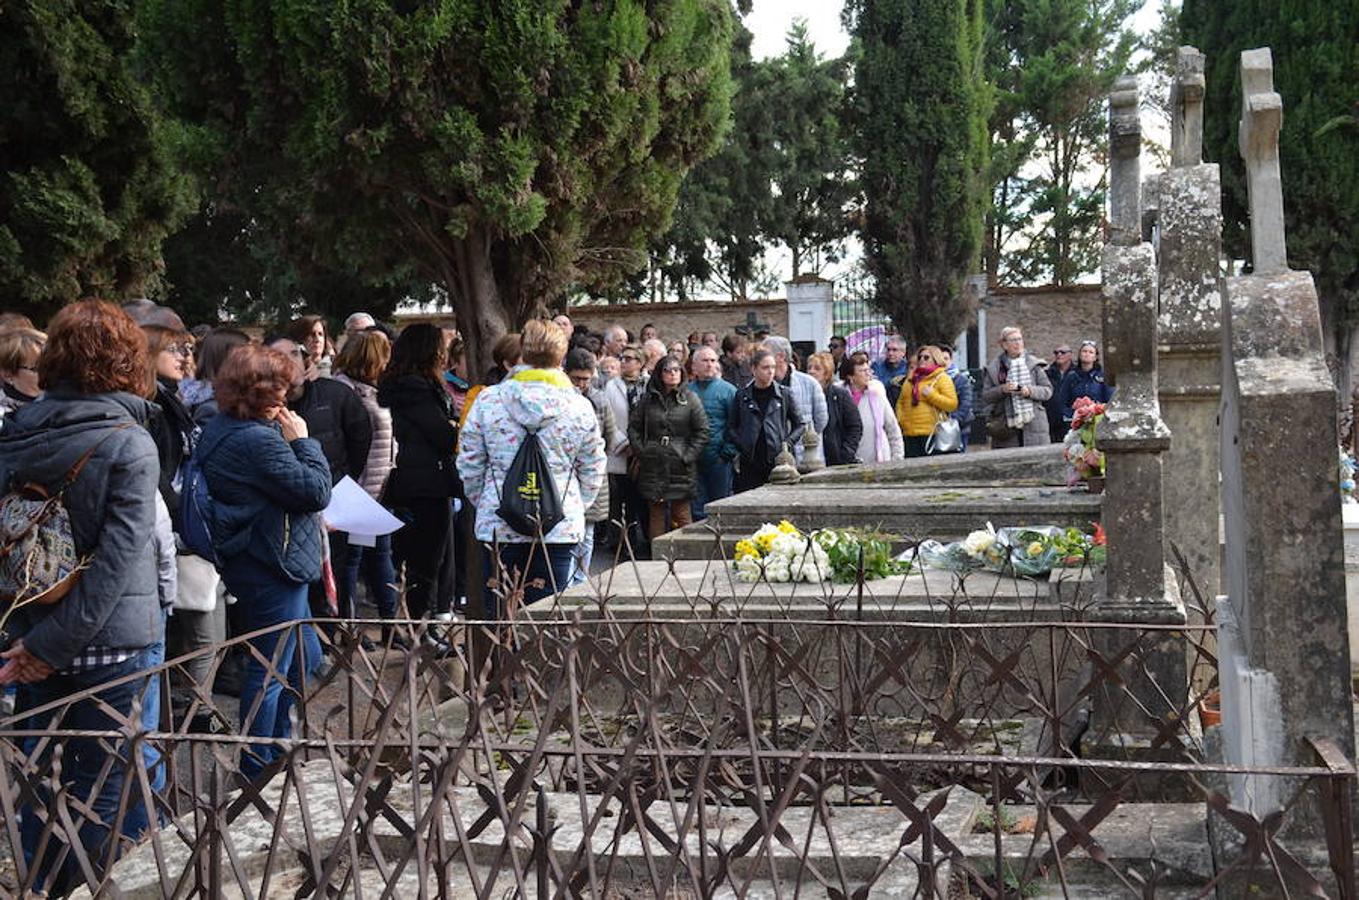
<point>483,315</point>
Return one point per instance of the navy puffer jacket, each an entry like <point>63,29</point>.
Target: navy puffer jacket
<point>265,496</point>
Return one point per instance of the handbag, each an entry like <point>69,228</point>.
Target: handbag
<point>997,427</point>
<point>947,437</point>
<point>38,559</point>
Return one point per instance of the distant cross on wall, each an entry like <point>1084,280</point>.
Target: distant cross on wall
<point>752,326</point>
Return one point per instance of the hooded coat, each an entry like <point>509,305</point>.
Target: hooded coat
<point>545,401</point>
<point>116,603</point>
<point>669,430</point>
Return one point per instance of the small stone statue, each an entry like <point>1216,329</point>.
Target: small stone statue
<point>785,468</point>
<point>812,457</point>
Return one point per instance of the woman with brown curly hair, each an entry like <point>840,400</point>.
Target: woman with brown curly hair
<point>267,480</point>
<point>94,371</point>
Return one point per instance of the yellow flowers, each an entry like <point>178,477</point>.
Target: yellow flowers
<point>787,527</point>
<point>746,549</point>
<point>1036,548</point>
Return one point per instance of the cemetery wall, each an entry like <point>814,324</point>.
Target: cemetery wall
<point>1049,317</point>
<point>674,321</point>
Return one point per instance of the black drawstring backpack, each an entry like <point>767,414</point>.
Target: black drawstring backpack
<point>529,502</point>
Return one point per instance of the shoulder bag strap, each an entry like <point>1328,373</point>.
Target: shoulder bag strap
<point>70,477</point>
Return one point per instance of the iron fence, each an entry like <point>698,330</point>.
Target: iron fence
<point>723,739</point>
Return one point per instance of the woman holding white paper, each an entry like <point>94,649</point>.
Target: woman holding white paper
<point>360,365</point>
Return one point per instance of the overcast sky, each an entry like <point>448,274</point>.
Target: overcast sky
<point>770,19</point>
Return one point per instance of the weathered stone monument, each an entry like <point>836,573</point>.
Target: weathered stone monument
<point>1284,647</point>
<point>1189,249</point>
<point>1134,439</point>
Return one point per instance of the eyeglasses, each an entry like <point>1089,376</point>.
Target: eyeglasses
<point>180,349</point>
<point>1061,352</point>
<point>1015,339</point>
<point>1089,344</point>
<point>630,358</point>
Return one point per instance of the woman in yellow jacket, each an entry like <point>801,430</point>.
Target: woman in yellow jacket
<point>926,398</point>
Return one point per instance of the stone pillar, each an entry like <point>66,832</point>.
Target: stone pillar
<point>1138,590</point>
<point>1186,106</point>
<point>1125,160</point>
<point>1284,645</point>
<point>811,310</point>
<point>1189,256</point>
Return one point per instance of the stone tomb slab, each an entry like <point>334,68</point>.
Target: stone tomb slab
<point>911,510</point>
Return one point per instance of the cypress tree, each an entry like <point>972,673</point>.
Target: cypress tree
<point>88,182</point>
<point>920,106</point>
<point>1315,45</point>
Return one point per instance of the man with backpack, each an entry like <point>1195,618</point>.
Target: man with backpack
<point>532,461</point>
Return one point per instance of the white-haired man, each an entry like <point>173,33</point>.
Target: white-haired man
<point>615,340</point>
<point>806,392</point>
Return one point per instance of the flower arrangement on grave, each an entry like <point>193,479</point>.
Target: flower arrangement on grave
<point>1347,470</point>
<point>1078,449</point>
<point>1017,551</point>
<point>782,553</point>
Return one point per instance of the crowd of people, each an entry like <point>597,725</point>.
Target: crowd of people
<point>174,427</point>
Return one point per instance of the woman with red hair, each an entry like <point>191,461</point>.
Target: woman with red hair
<point>95,372</point>
<point>267,480</point>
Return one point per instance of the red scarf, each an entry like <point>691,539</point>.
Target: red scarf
<point>919,375</point>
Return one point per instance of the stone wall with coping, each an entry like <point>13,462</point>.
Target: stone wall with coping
<point>674,321</point>
<point>1049,316</point>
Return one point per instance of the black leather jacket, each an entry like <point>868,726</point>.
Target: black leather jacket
<point>782,425</point>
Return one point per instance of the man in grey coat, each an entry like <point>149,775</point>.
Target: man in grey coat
<point>806,391</point>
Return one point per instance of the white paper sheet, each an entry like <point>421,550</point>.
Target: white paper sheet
<point>352,510</point>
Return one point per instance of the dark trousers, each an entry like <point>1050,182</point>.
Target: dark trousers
<point>751,476</point>
<point>540,569</point>
<point>265,704</point>
<point>379,574</point>
<point>425,546</point>
<point>83,760</point>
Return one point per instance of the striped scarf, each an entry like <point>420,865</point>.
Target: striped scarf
<point>1019,410</point>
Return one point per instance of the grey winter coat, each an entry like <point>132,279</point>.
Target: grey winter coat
<point>116,602</point>
<point>382,451</point>
<point>608,429</point>
<point>1036,432</point>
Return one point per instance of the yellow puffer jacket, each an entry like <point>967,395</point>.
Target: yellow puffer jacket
<point>918,420</point>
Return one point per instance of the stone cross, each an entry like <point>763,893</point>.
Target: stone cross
<point>1186,109</point>
<point>1261,119</point>
<point>1125,178</point>
<point>752,325</point>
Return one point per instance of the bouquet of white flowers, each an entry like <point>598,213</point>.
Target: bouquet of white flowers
<point>781,553</point>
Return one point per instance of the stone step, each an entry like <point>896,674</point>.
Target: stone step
<point>1129,838</point>
<point>915,512</point>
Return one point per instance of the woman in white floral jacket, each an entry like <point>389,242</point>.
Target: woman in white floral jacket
<point>539,398</point>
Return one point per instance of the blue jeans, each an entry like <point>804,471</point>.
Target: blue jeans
<point>581,554</point>
<point>378,573</point>
<point>549,564</point>
<point>270,600</point>
<point>83,760</point>
<point>712,483</point>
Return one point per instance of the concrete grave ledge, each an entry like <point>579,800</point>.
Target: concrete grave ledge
<point>1174,834</point>
<point>913,511</point>
<point>694,589</point>
<point>1031,466</point>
